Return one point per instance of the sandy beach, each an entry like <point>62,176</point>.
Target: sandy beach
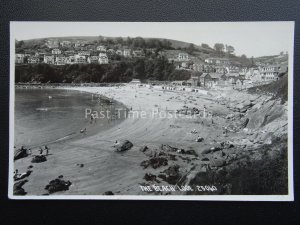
<point>94,167</point>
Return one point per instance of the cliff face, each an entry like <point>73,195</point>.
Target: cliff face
<point>254,156</point>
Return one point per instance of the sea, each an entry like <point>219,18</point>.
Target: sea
<point>43,116</point>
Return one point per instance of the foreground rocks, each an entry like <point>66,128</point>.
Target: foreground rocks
<point>20,153</point>
<point>39,159</point>
<point>18,190</point>
<point>57,184</point>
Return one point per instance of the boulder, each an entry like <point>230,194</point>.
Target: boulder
<point>199,139</point>
<point>168,148</point>
<point>57,185</point>
<point>217,162</point>
<point>172,174</point>
<point>39,159</point>
<point>20,153</point>
<point>144,148</point>
<point>149,177</point>
<point>18,190</point>
<point>124,146</point>
<point>155,162</point>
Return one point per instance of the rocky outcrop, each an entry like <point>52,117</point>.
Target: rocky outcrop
<point>39,159</point>
<point>155,162</point>
<point>57,185</point>
<point>20,153</point>
<point>18,188</point>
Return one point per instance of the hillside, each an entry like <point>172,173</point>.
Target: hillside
<point>168,46</point>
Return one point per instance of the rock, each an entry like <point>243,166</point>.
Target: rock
<point>18,190</point>
<point>155,162</point>
<point>245,123</point>
<point>124,146</point>
<point>199,139</point>
<point>168,148</point>
<point>39,159</point>
<point>149,177</point>
<point>206,151</point>
<point>80,165</point>
<point>191,152</point>
<point>57,185</point>
<point>108,193</point>
<point>230,116</point>
<point>172,174</point>
<point>144,148</point>
<point>20,153</point>
<point>215,149</point>
<point>217,162</point>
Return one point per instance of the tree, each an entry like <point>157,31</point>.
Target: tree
<point>191,48</point>
<point>229,49</point>
<point>203,45</point>
<point>219,47</point>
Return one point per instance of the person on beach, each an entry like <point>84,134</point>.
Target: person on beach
<point>83,131</point>
<point>41,151</point>
<point>47,149</point>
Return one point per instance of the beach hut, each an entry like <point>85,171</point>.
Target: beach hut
<point>136,82</point>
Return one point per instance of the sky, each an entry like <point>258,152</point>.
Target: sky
<point>249,38</point>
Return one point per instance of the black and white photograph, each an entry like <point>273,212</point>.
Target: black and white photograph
<point>151,110</point>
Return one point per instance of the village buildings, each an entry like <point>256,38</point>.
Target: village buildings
<point>270,72</point>
<point>56,51</point>
<point>206,72</point>
<point>49,59</point>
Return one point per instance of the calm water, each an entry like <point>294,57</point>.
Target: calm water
<point>40,119</point>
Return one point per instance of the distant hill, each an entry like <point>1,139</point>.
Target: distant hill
<point>169,46</point>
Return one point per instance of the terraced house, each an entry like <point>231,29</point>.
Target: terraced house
<point>269,72</point>
<point>49,59</point>
<point>33,60</point>
<point>56,51</point>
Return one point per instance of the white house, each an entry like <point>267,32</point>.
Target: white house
<point>60,60</point>
<point>80,59</point>
<point>102,54</point>
<point>135,82</point>
<point>56,51</point>
<point>183,56</point>
<point>269,72</point>
<point>52,43</point>
<point>127,52</point>
<point>103,60</point>
<point>49,59</point>
<point>70,59</point>
<point>66,44</point>
<point>101,48</point>
<point>93,59</point>
<point>84,53</point>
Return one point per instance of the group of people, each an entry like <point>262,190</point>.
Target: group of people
<point>46,149</point>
